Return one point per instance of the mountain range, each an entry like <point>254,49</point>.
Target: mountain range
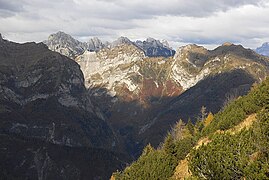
<point>103,102</point>
<point>67,45</point>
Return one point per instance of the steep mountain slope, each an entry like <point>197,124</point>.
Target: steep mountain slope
<point>43,99</point>
<point>264,49</point>
<point>232,144</point>
<point>142,97</point>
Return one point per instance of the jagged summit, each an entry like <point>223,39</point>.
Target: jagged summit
<point>264,49</point>
<point>60,35</point>
<point>154,48</point>
<point>72,48</point>
<point>65,44</point>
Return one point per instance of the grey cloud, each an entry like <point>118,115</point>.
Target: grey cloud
<point>185,21</point>
<point>10,8</point>
<point>149,8</point>
<point>9,5</point>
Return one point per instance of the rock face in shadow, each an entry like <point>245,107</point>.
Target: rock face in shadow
<point>43,99</point>
<point>31,158</point>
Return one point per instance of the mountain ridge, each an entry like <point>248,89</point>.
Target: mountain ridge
<point>67,45</point>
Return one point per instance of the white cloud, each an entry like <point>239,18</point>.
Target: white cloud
<point>205,22</point>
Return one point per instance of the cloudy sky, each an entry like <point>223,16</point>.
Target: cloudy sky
<point>204,22</point>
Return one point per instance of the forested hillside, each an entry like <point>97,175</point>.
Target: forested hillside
<point>232,144</point>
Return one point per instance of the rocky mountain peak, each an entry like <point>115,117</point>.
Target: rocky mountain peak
<point>154,48</point>
<point>95,44</point>
<point>154,42</point>
<point>165,43</point>
<point>65,44</point>
<point>121,40</point>
<point>61,37</point>
<point>192,55</point>
<point>264,49</point>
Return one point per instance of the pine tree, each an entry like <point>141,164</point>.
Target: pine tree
<point>169,146</point>
<point>190,127</point>
<point>177,132</point>
<point>208,120</point>
<point>148,149</point>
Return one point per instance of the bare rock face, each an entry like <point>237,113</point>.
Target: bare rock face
<point>264,49</point>
<point>121,41</point>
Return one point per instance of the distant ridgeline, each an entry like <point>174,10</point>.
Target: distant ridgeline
<point>232,144</point>
<point>67,45</point>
